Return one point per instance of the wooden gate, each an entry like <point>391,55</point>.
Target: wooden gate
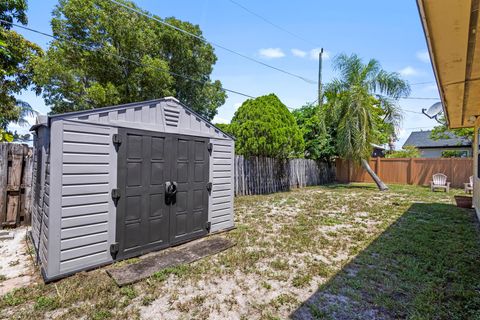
<point>16,164</point>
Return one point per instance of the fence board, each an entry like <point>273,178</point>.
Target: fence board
<point>26,196</point>
<point>417,171</point>
<point>3,181</point>
<point>259,175</point>
<point>15,183</point>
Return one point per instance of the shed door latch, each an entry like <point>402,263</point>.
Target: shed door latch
<point>210,148</point>
<point>117,140</point>
<point>115,195</point>
<point>209,187</point>
<point>114,248</point>
<point>208,226</point>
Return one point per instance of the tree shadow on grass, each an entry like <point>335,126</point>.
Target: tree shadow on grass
<point>426,265</point>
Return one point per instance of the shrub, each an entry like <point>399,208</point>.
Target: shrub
<point>265,127</point>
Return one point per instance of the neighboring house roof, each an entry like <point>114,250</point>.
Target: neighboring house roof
<point>421,139</point>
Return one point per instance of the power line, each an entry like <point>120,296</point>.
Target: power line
<point>271,23</point>
<point>420,83</point>
<point>125,59</point>
<point>213,43</point>
<point>419,98</point>
<point>411,111</point>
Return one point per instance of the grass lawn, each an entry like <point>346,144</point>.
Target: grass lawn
<point>330,252</point>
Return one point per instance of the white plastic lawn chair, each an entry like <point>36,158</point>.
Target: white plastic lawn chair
<point>469,185</point>
<point>439,181</point>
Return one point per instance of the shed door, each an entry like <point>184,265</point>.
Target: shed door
<point>189,213</point>
<point>146,161</point>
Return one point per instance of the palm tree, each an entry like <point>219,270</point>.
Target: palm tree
<point>25,110</point>
<point>353,97</point>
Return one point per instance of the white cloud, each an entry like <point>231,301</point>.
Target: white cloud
<point>299,53</point>
<point>218,119</point>
<point>271,53</point>
<point>315,51</point>
<point>408,71</point>
<point>423,56</point>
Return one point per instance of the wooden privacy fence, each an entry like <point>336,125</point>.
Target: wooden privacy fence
<point>16,164</point>
<point>416,171</point>
<point>258,175</point>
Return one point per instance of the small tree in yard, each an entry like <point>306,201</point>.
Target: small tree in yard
<point>406,152</point>
<point>353,99</point>
<point>264,127</point>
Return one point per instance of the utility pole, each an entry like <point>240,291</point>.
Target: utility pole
<point>320,93</point>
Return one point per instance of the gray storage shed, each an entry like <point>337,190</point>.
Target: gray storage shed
<point>117,182</point>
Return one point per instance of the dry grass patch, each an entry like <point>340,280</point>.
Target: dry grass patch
<point>288,246</point>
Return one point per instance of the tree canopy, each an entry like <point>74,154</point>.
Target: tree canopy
<point>443,132</point>
<point>16,63</point>
<point>406,152</point>
<point>265,127</point>
<point>317,134</point>
<point>361,101</point>
<point>108,55</point>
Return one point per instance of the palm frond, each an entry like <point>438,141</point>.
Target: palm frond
<point>25,110</point>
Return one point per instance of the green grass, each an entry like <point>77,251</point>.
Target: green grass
<point>405,253</point>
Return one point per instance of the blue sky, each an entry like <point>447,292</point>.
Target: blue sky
<point>389,31</point>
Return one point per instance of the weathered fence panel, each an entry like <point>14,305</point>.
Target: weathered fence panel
<point>259,175</point>
<point>416,171</point>
<point>15,184</point>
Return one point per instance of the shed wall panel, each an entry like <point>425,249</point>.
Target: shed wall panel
<point>87,211</point>
<point>40,203</point>
<point>221,176</point>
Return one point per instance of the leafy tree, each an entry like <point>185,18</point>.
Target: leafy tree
<point>453,154</point>
<point>11,11</point>
<point>265,127</point>
<point>21,137</point>
<point>353,100</point>
<point>317,134</point>
<point>117,56</point>
<point>16,63</point>
<point>443,132</point>
<point>5,136</point>
<point>406,152</point>
<point>225,127</point>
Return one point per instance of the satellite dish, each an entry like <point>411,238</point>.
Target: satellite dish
<point>434,111</point>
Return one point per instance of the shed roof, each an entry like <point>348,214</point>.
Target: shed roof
<point>170,107</point>
<point>421,139</point>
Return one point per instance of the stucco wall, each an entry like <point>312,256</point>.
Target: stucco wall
<point>437,152</point>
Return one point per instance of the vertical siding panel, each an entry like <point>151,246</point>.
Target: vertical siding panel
<point>222,164</point>
<point>79,192</point>
<point>55,200</point>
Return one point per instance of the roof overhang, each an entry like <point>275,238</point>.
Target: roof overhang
<point>450,28</point>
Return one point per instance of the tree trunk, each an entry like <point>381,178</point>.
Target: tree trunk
<point>381,186</point>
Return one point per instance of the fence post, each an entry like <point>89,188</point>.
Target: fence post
<point>378,168</point>
<point>451,175</point>
<point>410,171</point>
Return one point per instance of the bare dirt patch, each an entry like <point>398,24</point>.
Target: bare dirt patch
<point>15,262</point>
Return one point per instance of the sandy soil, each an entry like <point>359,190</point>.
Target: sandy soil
<point>15,262</point>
